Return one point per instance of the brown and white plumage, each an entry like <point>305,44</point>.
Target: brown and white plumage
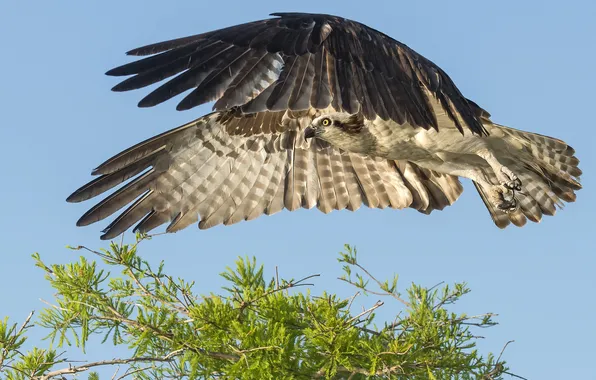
<point>271,80</point>
<point>201,171</point>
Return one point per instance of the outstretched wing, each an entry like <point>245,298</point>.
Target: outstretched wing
<point>200,170</point>
<point>297,61</point>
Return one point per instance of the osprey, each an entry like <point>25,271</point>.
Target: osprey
<point>316,110</point>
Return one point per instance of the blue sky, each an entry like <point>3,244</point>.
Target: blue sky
<point>529,64</point>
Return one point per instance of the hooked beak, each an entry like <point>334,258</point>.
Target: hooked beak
<point>309,132</point>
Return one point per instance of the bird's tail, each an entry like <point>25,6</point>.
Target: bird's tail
<point>548,170</point>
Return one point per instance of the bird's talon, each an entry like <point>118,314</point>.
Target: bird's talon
<point>504,198</point>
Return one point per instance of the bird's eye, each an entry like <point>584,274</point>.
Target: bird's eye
<point>326,122</point>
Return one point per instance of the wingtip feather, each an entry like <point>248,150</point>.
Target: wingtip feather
<point>73,198</point>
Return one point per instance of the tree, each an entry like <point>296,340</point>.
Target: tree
<point>257,328</point>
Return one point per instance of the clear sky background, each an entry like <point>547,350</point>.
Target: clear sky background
<point>530,64</point>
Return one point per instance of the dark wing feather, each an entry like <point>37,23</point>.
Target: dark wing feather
<point>200,171</point>
<point>215,84</point>
<point>300,97</point>
<point>320,97</point>
<point>326,60</point>
<point>252,79</point>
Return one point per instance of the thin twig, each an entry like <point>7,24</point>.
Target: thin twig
<point>356,370</point>
<point>25,324</point>
<point>384,294</point>
<point>514,375</point>
<point>368,311</point>
<point>381,285</point>
<point>292,284</point>
<point>242,352</point>
<point>180,309</point>
<point>276,278</point>
<point>16,370</point>
<point>352,299</point>
<point>433,287</point>
<point>116,372</point>
<point>503,350</point>
<point>133,372</point>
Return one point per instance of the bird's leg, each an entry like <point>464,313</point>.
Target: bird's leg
<point>501,196</point>
<point>505,176</point>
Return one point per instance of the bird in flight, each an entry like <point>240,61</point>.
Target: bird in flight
<point>316,110</point>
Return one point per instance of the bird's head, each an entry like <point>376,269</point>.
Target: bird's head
<point>346,131</point>
<point>326,127</point>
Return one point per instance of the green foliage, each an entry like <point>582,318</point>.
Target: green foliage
<point>22,366</point>
<point>257,328</point>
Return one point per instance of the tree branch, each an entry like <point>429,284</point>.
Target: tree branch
<point>82,368</point>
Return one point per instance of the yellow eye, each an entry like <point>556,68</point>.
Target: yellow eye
<point>326,122</point>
